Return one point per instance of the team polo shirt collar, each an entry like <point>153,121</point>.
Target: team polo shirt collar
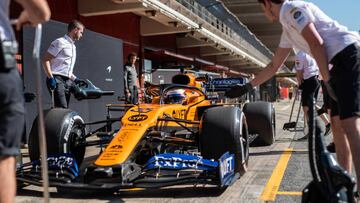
<point>68,38</point>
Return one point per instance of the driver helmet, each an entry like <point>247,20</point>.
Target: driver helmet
<point>175,96</point>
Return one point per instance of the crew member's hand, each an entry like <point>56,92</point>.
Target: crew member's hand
<point>239,90</point>
<point>52,83</point>
<point>79,81</point>
<point>128,94</point>
<point>330,90</point>
<point>23,19</point>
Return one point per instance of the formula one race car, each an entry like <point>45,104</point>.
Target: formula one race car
<point>182,136</point>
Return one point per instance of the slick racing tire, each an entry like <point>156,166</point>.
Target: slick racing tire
<point>225,129</point>
<point>261,120</point>
<point>64,131</point>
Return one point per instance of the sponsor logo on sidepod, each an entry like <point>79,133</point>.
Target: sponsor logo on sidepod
<point>138,118</point>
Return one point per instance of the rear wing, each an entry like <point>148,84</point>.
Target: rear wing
<point>224,84</point>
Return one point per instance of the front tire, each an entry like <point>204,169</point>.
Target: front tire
<point>64,131</point>
<point>225,129</point>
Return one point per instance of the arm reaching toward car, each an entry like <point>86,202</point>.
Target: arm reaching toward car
<point>280,55</point>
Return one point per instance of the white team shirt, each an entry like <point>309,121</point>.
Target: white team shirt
<point>64,51</point>
<point>295,15</point>
<point>305,63</point>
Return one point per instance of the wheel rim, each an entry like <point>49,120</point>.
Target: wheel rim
<point>246,144</point>
<point>77,142</point>
<point>245,147</point>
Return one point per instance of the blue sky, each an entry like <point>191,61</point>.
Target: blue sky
<point>346,12</point>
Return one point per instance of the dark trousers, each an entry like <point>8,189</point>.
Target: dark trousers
<point>310,90</point>
<point>61,92</point>
<point>134,96</point>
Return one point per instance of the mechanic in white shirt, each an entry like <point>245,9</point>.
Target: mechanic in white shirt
<point>305,66</point>
<point>307,75</point>
<point>307,28</point>
<point>59,61</point>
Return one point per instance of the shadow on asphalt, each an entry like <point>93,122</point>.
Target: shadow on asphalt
<point>284,140</point>
<point>180,192</point>
<point>71,195</point>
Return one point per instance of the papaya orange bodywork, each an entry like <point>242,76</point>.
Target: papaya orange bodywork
<point>139,119</point>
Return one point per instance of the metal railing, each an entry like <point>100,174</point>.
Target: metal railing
<point>243,38</point>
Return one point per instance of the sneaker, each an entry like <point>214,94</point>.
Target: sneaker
<point>328,129</point>
<point>305,137</point>
<point>356,196</point>
<point>331,147</point>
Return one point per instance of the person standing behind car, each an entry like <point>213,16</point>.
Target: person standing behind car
<point>12,107</point>
<point>307,76</point>
<point>131,84</point>
<point>59,61</point>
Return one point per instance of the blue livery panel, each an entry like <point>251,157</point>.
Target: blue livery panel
<point>227,168</point>
<point>179,162</point>
<point>223,84</point>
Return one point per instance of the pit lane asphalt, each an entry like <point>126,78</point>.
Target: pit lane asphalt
<point>275,174</point>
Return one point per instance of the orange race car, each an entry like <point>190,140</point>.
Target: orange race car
<point>182,135</point>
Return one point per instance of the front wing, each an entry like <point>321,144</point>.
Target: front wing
<point>160,171</point>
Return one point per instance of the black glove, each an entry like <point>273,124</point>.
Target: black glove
<point>239,90</point>
<point>52,83</point>
<point>330,90</point>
